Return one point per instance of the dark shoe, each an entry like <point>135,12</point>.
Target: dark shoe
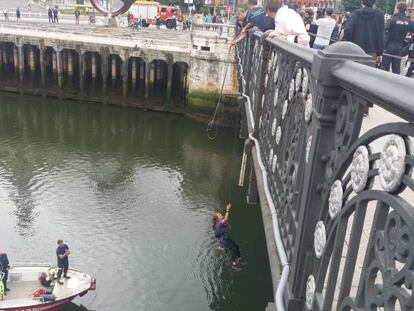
<point>241,262</point>
<point>236,267</point>
<point>66,277</point>
<point>7,289</point>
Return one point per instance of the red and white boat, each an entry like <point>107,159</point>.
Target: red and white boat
<point>24,282</point>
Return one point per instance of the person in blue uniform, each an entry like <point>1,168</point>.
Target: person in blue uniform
<point>220,227</point>
<point>4,268</point>
<point>62,253</point>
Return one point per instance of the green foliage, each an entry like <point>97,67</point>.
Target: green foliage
<point>386,6</point>
<point>351,5</point>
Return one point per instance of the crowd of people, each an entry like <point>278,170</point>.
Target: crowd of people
<point>386,40</point>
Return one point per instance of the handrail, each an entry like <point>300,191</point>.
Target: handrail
<point>374,84</point>
<point>296,50</point>
<point>281,287</point>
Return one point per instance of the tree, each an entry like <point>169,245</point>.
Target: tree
<point>386,6</point>
<point>351,5</point>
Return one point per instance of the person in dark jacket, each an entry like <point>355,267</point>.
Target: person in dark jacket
<point>396,31</point>
<point>365,28</point>
<point>4,268</point>
<point>410,70</point>
<point>310,25</point>
<point>50,14</point>
<point>62,254</point>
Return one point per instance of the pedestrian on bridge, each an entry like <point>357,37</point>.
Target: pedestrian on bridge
<point>220,227</point>
<point>6,14</point>
<point>50,14</point>
<point>77,14</point>
<point>55,15</point>
<point>18,14</point>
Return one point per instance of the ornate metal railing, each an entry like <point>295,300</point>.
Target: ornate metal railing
<point>343,196</point>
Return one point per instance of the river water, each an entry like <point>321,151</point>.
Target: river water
<point>132,194</point>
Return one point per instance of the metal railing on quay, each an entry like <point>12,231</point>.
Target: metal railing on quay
<point>328,183</point>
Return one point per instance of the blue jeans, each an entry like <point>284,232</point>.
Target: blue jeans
<point>231,246</point>
<point>63,267</point>
<point>319,46</point>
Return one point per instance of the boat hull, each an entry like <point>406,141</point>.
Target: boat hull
<point>47,306</point>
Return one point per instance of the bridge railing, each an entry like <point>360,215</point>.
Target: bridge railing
<point>227,29</point>
<point>343,195</point>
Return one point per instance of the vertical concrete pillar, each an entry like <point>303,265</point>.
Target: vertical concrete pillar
<point>42,65</point>
<point>113,69</point>
<point>1,57</point>
<point>32,65</point>
<point>152,78</point>
<point>64,56</point>
<point>59,68</point>
<point>147,79</point>
<point>158,71</point>
<point>21,62</point>
<point>94,66</point>
<point>81,72</point>
<point>104,69</point>
<point>134,73</point>
<point>54,61</point>
<point>125,77</point>
<point>16,59</point>
<point>169,80</point>
<point>4,52</point>
<point>142,70</point>
<point>70,63</point>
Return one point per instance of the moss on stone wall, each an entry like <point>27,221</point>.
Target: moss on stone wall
<point>205,103</point>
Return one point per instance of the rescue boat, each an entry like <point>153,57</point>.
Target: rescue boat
<point>35,287</point>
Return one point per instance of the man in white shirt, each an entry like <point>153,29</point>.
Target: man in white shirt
<point>288,23</point>
<point>325,27</point>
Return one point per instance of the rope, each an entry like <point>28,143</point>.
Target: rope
<point>212,126</point>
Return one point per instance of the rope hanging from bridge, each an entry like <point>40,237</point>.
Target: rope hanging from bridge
<point>212,126</point>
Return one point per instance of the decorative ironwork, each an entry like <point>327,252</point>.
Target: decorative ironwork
<point>335,199</point>
<point>319,239</point>
<point>392,163</point>
<point>310,292</point>
<point>360,169</point>
<point>327,180</point>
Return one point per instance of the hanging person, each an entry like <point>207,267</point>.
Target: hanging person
<point>220,227</point>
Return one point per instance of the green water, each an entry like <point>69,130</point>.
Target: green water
<point>132,194</point>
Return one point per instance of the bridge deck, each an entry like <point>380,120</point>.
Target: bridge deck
<point>156,39</point>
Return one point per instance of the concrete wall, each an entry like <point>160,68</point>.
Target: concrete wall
<point>183,72</point>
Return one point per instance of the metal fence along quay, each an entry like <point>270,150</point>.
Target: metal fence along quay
<point>341,198</point>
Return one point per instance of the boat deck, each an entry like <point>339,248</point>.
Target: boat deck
<point>20,290</point>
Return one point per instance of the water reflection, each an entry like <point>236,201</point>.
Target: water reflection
<point>132,194</point>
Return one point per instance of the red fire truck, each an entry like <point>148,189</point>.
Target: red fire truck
<point>148,10</point>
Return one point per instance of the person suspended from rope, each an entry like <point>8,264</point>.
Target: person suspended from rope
<point>220,227</point>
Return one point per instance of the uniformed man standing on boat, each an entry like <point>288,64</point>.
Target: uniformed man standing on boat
<point>4,268</point>
<point>62,253</point>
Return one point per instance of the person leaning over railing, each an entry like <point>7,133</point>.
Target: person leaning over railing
<point>256,18</point>
<point>288,23</point>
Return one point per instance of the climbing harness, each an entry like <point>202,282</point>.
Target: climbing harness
<point>212,126</point>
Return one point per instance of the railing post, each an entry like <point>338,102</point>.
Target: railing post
<point>258,62</point>
<point>320,151</point>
